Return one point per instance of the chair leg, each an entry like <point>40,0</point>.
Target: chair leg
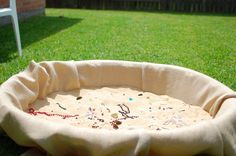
<point>17,33</point>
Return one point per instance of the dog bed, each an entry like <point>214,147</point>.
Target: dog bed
<point>118,108</point>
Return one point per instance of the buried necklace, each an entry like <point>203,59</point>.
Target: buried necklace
<point>33,112</point>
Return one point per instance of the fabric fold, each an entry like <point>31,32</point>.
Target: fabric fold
<point>215,137</point>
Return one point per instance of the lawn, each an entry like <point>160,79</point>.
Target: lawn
<point>203,42</point>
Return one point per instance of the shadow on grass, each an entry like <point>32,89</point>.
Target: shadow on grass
<point>31,31</point>
<point>195,13</point>
<point>172,12</point>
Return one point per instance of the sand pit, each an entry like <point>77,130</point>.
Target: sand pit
<point>117,108</point>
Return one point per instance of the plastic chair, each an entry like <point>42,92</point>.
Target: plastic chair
<point>11,11</point>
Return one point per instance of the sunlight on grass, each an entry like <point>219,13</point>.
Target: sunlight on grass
<point>206,43</point>
<point>201,42</point>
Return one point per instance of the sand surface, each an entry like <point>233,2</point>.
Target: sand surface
<point>117,108</point>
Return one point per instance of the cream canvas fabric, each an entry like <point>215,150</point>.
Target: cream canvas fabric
<point>214,137</point>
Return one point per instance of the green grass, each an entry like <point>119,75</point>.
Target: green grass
<point>206,43</point>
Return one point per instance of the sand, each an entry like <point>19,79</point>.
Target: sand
<point>117,108</point>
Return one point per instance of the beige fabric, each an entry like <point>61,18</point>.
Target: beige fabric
<point>214,137</point>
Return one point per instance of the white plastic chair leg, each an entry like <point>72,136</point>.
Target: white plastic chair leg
<point>17,33</point>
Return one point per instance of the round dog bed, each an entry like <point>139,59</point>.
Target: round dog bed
<point>31,118</point>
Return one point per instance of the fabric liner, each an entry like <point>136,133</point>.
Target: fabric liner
<point>213,137</point>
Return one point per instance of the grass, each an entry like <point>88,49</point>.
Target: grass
<point>206,43</point>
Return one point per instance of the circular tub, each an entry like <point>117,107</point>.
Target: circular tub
<point>213,137</point>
